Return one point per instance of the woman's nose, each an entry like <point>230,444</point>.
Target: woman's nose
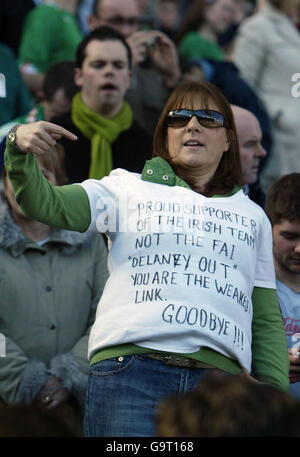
<point>193,124</point>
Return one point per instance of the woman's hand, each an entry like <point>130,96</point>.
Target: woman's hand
<point>39,137</point>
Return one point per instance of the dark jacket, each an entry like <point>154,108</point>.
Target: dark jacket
<point>130,150</point>
<point>237,91</point>
<point>257,194</point>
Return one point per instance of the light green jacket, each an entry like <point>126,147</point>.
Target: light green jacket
<point>48,299</point>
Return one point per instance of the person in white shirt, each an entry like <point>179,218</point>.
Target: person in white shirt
<point>266,51</point>
<point>192,280</point>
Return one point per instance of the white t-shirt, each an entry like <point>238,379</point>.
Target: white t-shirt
<point>182,266</point>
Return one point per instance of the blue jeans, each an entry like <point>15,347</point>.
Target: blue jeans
<point>123,393</point>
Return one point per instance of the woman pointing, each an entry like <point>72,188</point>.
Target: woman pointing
<point>187,291</point>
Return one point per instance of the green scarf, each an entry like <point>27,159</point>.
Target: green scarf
<point>101,132</point>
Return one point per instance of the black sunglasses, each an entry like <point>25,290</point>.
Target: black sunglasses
<point>121,21</point>
<point>208,118</point>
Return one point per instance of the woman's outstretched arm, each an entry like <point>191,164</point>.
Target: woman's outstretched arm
<point>64,207</point>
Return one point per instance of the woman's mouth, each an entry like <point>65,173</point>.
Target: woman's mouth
<point>193,143</point>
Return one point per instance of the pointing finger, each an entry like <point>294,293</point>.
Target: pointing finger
<point>56,131</point>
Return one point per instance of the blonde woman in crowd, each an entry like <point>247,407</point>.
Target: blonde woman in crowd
<point>267,53</point>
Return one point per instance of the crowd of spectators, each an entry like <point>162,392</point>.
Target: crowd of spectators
<point>51,57</point>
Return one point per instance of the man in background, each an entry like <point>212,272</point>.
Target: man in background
<point>108,137</point>
<point>249,135</point>
<point>155,63</point>
<point>57,92</point>
<point>283,209</point>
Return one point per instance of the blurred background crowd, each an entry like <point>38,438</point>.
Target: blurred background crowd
<point>248,48</point>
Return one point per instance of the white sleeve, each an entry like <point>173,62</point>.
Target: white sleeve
<point>103,199</point>
<point>250,51</point>
<point>264,269</point>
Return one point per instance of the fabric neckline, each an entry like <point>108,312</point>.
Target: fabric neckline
<point>158,170</point>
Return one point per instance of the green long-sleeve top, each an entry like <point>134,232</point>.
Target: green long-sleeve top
<point>68,207</point>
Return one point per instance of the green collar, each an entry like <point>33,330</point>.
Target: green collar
<point>159,171</point>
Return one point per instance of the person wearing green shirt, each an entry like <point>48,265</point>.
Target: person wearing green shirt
<point>57,92</point>
<point>192,281</point>
<point>204,22</point>
<point>15,99</point>
<point>50,34</point>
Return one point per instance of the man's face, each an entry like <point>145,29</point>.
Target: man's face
<point>286,245</point>
<point>251,149</point>
<point>104,76</point>
<point>122,15</point>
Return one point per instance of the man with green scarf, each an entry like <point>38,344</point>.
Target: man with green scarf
<point>108,137</point>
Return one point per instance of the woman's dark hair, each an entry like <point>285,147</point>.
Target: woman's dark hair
<point>103,33</point>
<point>187,95</point>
